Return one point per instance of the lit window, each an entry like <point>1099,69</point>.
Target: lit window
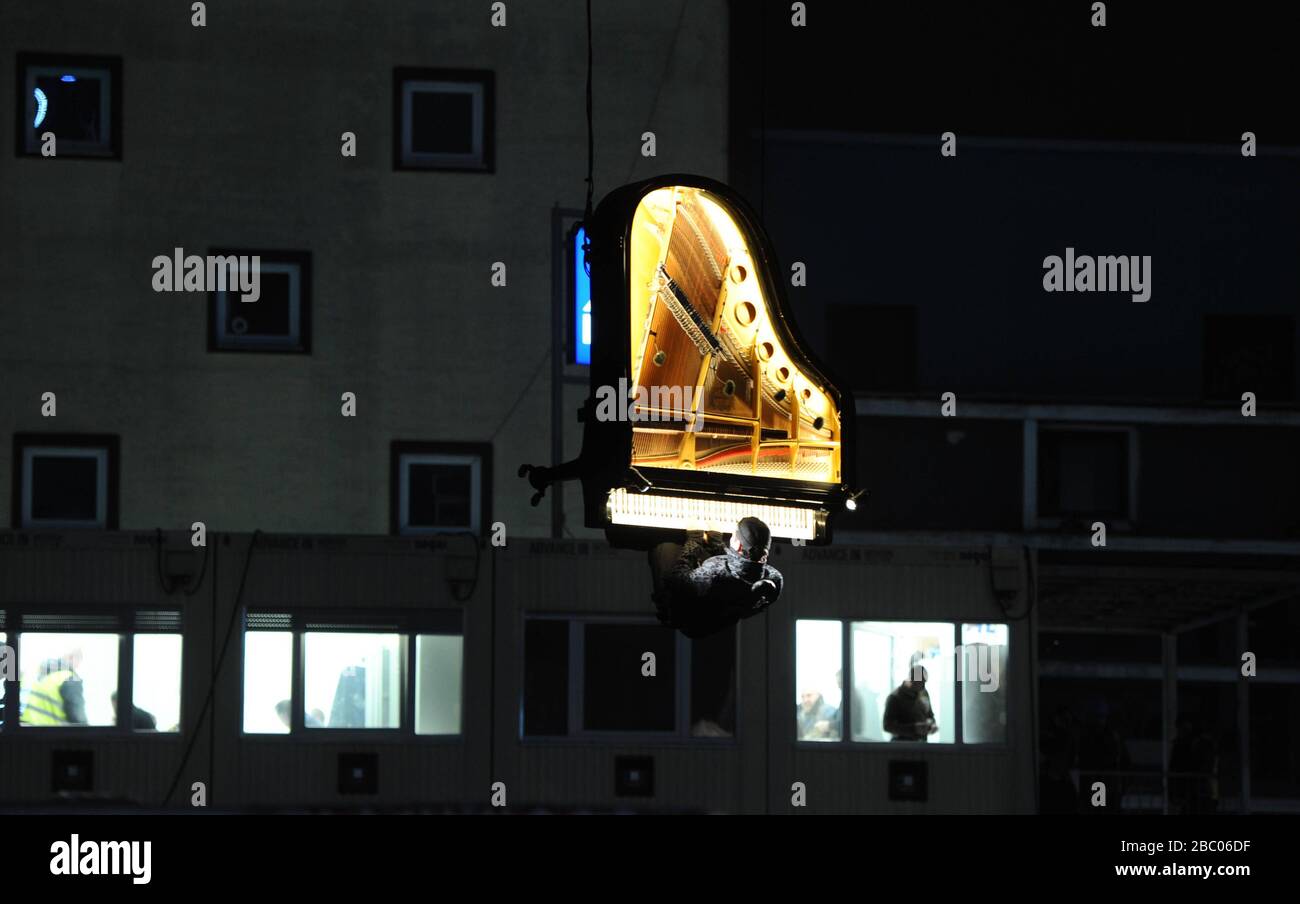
<point>819,647</point>
<point>903,682</point>
<point>906,682</point>
<point>277,316</point>
<point>156,683</point>
<point>67,679</point>
<point>67,481</point>
<point>983,662</point>
<point>440,487</point>
<point>444,118</point>
<point>268,682</point>
<point>438,659</point>
<point>580,291</point>
<point>354,670</point>
<point>76,98</point>
<point>352,680</point>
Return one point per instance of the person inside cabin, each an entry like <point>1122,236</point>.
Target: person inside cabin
<point>58,696</point>
<point>908,713</point>
<point>704,585</point>
<point>817,720</point>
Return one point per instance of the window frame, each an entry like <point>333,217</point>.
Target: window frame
<point>221,342</point>
<point>576,687</point>
<point>409,625</point>
<point>482,83</point>
<point>107,480</point>
<point>1056,522</point>
<point>846,740</point>
<point>111,65</point>
<point>121,621</point>
<point>439,453</point>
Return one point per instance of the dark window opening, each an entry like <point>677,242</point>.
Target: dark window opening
<point>64,481</point>
<point>440,487</point>
<point>443,119</point>
<point>617,696</point>
<point>1249,353</point>
<point>279,320</point>
<point>546,677</point>
<point>588,677</point>
<point>1083,474</point>
<point>713,685</point>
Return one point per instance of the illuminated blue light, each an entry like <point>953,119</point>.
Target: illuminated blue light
<point>68,78</point>
<point>581,301</point>
<point>41,106</point>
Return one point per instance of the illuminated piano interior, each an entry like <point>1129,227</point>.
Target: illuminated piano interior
<point>721,393</point>
<point>729,417</point>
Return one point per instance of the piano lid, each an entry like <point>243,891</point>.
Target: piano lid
<point>704,402</point>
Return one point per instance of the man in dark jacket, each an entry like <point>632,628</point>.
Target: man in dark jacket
<point>908,714</point>
<point>703,586</point>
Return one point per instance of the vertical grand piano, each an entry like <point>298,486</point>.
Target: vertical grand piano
<point>705,406</point>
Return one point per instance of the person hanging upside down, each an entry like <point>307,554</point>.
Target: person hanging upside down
<point>704,585</point>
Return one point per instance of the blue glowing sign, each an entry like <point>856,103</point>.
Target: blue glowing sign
<point>67,78</point>
<point>581,301</point>
<point>42,104</point>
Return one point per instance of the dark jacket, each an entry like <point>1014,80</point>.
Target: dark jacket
<point>711,588</point>
<point>907,706</point>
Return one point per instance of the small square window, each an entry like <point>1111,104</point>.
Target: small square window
<point>440,488</point>
<point>65,481</point>
<point>77,98</point>
<point>444,119</point>
<point>1085,475</point>
<point>1250,353</point>
<point>276,317</point>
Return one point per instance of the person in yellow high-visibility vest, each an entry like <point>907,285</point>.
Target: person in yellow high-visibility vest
<point>57,697</point>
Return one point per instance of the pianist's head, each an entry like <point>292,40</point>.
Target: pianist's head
<point>752,539</point>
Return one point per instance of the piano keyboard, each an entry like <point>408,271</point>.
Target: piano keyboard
<point>681,513</point>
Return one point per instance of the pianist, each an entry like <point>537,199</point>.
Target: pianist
<point>703,586</point>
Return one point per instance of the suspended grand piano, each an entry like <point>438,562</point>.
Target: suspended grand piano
<point>705,406</point>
